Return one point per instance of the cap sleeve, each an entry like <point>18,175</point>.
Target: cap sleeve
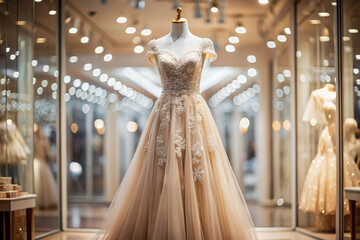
<point>208,49</point>
<point>314,109</point>
<point>152,49</point>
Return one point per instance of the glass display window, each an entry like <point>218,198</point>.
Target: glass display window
<point>316,116</point>
<point>350,60</point>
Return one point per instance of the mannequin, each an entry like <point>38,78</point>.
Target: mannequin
<point>179,40</point>
<point>313,111</point>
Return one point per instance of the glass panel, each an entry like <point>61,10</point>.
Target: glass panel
<point>351,100</point>
<point>45,82</point>
<point>316,110</point>
<point>281,125</point>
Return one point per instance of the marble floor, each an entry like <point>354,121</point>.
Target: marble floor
<point>282,235</point>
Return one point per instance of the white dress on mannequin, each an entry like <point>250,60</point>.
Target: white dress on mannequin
<point>180,184</point>
<point>319,192</point>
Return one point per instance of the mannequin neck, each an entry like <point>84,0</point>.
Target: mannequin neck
<point>179,30</point>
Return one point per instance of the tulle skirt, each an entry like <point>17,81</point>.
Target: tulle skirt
<point>45,185</point>
<point>180,184</point>
<point>319,191</point>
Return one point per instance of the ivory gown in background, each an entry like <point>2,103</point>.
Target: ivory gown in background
<point>180,184</point>
<point>319,192</point>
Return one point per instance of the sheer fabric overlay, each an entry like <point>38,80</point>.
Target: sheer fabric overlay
<point>180,184</point>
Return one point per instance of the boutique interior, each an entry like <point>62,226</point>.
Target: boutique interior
<point>77,91</point>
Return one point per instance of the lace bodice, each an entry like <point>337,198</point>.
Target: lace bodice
<point>183,74</point>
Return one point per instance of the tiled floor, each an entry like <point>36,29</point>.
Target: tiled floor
<point>262,236</point>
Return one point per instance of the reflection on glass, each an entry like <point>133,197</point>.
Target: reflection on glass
<point>351,97</point>
<point>45,84</point>
<point>316,111</point>
<point>281,112</point>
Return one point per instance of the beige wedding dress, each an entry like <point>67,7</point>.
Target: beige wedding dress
<point>180,184</point>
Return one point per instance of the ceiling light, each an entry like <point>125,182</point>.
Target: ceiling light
<point>87,66</point>
<point>315,21</point>
<point>34,63</point>
<point>38,0</point>
<point>252,72</point>
<point>121,19</point>
<point>138,49</point>
<point>96,72</point>
<point>233,39</point>
<point>77,83</point>
<point>52,12</point>
<point>240,29</point>
<point>263,2</point>
<point>85,86</point>
<point>230,48</point>
<point>251,59</point>
<point>287,73</point>
<point>242,79</point>
<point>132,126</point>
<point>324,38</point>
<point>324,35</point>
<point>40,90</point>
<point>107,57</point>
<point>271,44</point>
<point>84,40</point>
<point>111,81</point>
<point>41,40</point>
<point>44,83</point>
<point>333,3</point>
<point>73,30</point>
<point>280,77</point>
<point>21,23</point>
<point>73,59</point>
<point>99,49</point>
<point>357,56</point>
<point>324,14</point>
<point>136,40</point>
<point>104,77</point>
<point>281,38</point>
<point>146,32</point>
<point>46,68</point>
<point>16,74</point>
<point>12,57</point>
<point>353,30</point>
<point>67,79</point>
<point>214,9</point>
<point>287,30</point>
<point>130,30</point>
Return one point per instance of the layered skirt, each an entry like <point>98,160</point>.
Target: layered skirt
<point>180,184</point>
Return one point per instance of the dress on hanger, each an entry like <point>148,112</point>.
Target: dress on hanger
<point>180,184</point>
<point>44,181</point>
<point>13,148</point>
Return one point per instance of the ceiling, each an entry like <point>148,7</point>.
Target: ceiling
<point>157,16</point>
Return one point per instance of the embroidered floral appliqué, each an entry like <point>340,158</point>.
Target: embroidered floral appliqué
<point>191,124</point>
<point>179,142</point>
<point>198,172</point>
<point>180,106</point>
<point>212,143</point>
<point>160,150</point>
<point>197,149</point>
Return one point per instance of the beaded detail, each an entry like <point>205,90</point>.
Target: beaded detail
<point>180,75</point>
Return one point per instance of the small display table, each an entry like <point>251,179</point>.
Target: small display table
<point>7,208</point>
<point>353,195</point>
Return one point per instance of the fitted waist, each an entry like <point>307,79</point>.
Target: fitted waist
<point>179,92</point>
